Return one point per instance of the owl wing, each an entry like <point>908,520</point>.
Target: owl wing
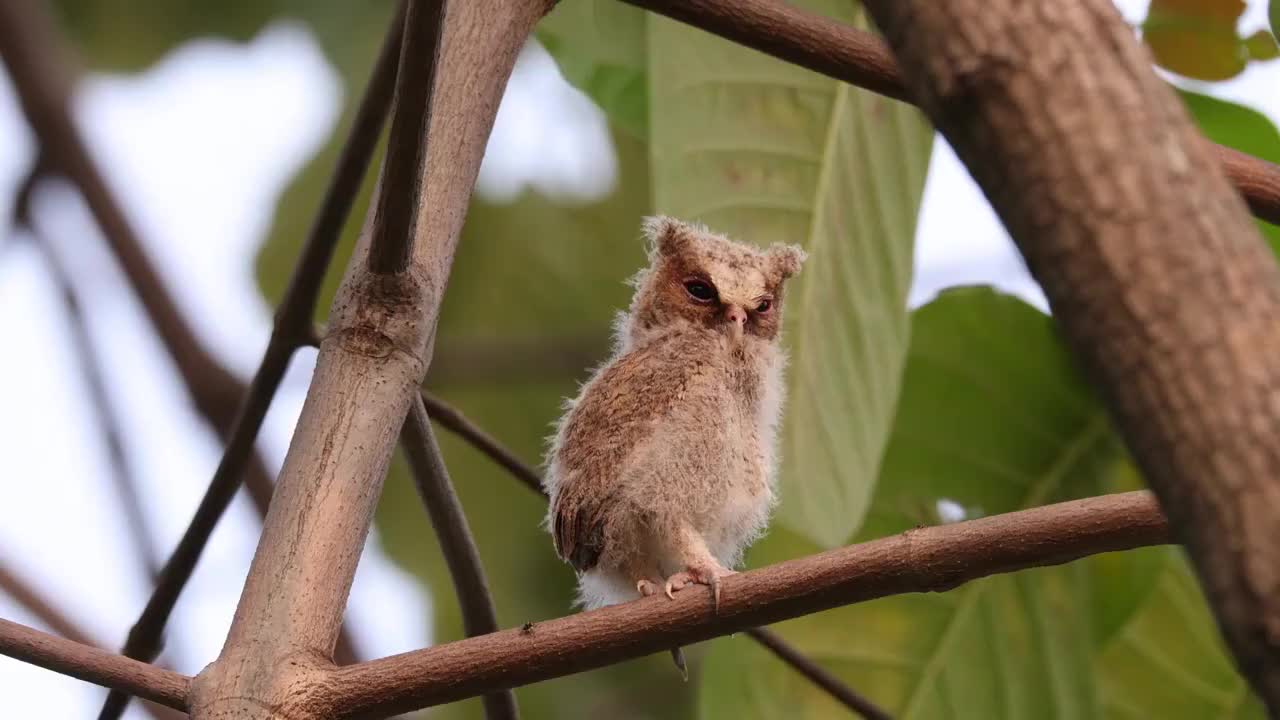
<point>619,409</point>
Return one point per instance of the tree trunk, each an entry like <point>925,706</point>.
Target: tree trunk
<point>1159,280</point>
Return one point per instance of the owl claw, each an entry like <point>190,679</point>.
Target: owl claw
<point>710,577</point>
<point>646,587</point>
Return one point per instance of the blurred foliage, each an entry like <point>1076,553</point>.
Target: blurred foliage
<point>969,405</point>
<point>1198,38</point>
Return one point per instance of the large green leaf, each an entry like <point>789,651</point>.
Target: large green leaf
<point>1241,128</point>
<point>768,152</point>
<point>1169,661</point>
<point>993,418</point>
<point>1196,38</point>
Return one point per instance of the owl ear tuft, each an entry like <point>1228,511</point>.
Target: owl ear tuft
<point>787,259</point>
<point>668,235</point>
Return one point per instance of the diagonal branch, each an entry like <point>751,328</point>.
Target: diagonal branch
<point>453,419</point>
<point>291,330</point>
<point>456,543</point>
<point>394,223</point>
<point>930,559</point>
<point>90,664</point>
<point>861,58</point>
<point>372,360</point>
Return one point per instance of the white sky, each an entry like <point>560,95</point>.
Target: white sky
<point>206,140</point>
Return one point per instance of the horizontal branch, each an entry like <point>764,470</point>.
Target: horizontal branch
<point>930,559</point>
<point>90,664</point>
<point>861,58</point>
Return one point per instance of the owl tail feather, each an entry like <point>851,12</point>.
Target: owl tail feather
<point>678,656</point>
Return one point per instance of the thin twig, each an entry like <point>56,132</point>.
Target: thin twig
<point>123,476</point>
<point>91,664</point>
<point>456,543</point>
<point>861,58</point>
<point>452,419</point>
<point>930,559</point>
<point>817,674</point>
<point>396,220</point>
<point>292,329</point>
<point>22,592</point>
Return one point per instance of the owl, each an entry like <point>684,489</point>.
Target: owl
<point>662,470</point>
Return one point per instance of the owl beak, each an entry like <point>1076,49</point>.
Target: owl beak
<point>738,319</point>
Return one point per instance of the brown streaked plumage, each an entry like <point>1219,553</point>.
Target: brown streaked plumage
<point>661,471</point>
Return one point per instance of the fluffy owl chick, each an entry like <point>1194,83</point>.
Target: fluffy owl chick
<point>662,470</point>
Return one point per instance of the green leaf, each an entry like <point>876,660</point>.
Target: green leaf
<point>1241,128</point>
<point>768,152</point>
<point>1261,46</point>
<point>993,417</point>
<point>1196,38</point>
<point>601,50</point>
<point>1169,661</point>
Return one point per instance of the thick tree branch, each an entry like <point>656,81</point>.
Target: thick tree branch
<point>1157,276</point>
<point>90,664</point>
<point>930,559</point>
<point>398,213</point>
<point>292,329</point>
<point>860,58</point>
<point>452,419</point>
<point>371,362</point>
<point>456,543</point>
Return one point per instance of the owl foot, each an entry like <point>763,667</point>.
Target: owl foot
<point>709,576</point>
<point>646,587</point>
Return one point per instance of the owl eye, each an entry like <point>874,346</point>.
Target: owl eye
<point>700,291</point>
<point>764,306</point>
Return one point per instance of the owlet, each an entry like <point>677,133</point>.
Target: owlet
<point>662,469</point>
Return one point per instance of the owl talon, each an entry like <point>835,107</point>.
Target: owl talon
<point>646,587</point>
<point>710,577</point>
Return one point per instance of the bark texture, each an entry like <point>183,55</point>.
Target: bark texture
<point>277,655</point>
<point>1160,281</point>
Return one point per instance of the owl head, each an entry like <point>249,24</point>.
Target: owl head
<point>699,278</point>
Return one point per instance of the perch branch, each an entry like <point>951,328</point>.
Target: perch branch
<point>398,213</point>
<point>453,419</point>
<point>90,664</point>
<point>1158,279</point>
<point>456,543</point>
<point>370,363</point>
<point>930,559</point>
<point>861,58</point>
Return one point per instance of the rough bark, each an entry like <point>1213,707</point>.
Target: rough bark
<point>276,657</point>
<point>1159,280</point>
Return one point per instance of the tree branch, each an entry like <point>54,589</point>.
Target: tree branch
<point>453,419</point>
<point>930,559</point>
<point>861,58</point>
<point>291,329</point>
<point>394,223</point>
<point>22,593</point>
<point>1158,279</point>
<point>456,543</point>
<point>90,664</point>
<point>370,364</point>
<point>816,674</point>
